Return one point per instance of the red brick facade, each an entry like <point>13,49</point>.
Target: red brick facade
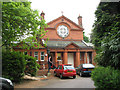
<point>75,31</point>
<point>71,49</point>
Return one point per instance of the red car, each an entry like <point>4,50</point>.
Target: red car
<point>65,70</point>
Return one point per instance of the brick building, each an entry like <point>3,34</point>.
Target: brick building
<point>65,43</point>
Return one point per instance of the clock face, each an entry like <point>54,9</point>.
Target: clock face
<point>62,31</point>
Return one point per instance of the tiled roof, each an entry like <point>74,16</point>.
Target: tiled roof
<point>63,44</point>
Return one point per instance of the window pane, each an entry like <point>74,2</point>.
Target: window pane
<point>30,53</point>
<point>36,57</point>
<point>68,67</point>
<point>42,53</point>
<point>59,56</point>
<point>25,52</point>
<point>42,57</point>
<point>36,53</point>
<point>60,67</point>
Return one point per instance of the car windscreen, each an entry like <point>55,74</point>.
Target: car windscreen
<point>68,67</point>
<point>88,66</point>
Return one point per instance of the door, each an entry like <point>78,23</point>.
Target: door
<point>71,58</point>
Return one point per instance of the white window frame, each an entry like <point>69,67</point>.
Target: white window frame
<point>42,56</point>
<point>35,56</point>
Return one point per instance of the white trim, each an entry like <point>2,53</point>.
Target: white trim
<point>59,60</point>
<point>88,44</point>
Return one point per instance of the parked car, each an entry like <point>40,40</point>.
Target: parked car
<point>6,84</point>
<point>84,69</point>
<point>65,70</point>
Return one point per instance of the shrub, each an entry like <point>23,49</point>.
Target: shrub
<point>31,65</point>
<point>13,65</point>
<point>106,77</point>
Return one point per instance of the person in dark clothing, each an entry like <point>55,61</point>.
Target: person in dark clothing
<point>50,64</point>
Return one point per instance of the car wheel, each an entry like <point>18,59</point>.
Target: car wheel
<point>55,74</point>
<point>61,76</point>
<point>81,74</point>
<point>74,77</point>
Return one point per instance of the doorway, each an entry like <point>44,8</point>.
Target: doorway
<point>71,58</point>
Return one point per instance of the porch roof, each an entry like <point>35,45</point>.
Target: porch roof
<point>63,44</point>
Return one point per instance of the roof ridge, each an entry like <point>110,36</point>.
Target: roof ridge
<point>67,19</point>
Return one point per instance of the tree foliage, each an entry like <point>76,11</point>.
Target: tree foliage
<point>106,34</point>
<point>85,38</point>
<point>13,65</point>
<point>31,65</point>
<point>106,78</point>
<point>20,21</point>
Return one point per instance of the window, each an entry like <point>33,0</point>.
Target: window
<point>30,53</point>
<point>60,67</point>
<point>59,56</point>
<point>25,52</point>
<point>36,55</point>
<point>68,67</point>
<point>42,56</point>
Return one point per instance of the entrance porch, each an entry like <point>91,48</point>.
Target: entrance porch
<point>75,57</point>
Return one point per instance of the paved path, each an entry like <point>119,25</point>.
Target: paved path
<point>56,82</point>
<point>79,82</point>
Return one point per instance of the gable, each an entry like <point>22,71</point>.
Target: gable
<point>73,31</point>
<point>53,24</point>
<point>72,45</point>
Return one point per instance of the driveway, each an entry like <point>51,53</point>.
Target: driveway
<point>56,82</point>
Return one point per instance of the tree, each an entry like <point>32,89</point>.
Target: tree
<point>13,65</point>
<point>22,24</point>
<point>106,17</point>
<point>20,21</point>
<point>106,34</point>
<point>85,38</point>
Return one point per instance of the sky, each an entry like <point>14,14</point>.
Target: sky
<point>70,8</point>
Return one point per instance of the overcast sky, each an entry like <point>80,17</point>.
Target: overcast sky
<point>71,9</point>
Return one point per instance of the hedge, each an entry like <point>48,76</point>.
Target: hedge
<point>31,65</point>
<point>13,65</point>
<point>106,77</point>
<point>16,64</point>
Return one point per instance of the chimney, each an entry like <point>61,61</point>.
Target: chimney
<point>42,14</point>
<point>80,20</point>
